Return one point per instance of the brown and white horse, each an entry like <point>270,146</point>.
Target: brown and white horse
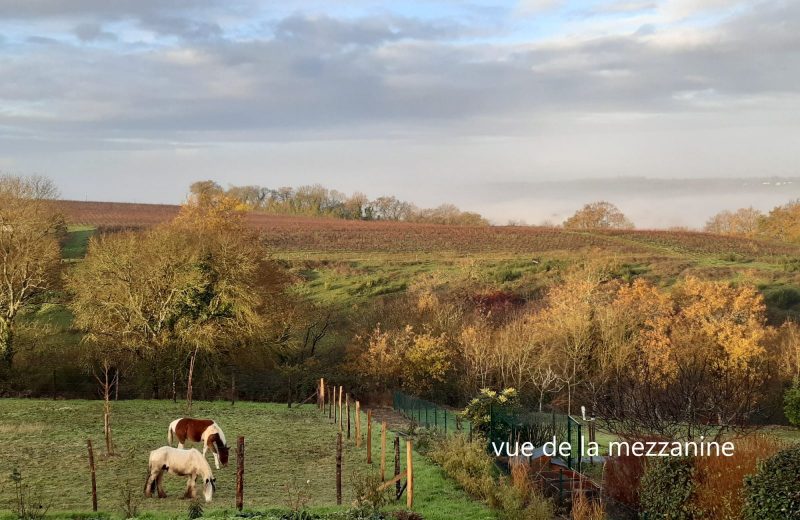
<point>200,430</point>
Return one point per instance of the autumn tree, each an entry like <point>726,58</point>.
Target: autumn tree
<point>691,364</point>
<point>743,222</point>
<point>782,223</point>
<point>566,325</point>
<point>30,229</point>
<point>200,283</point>
<point>598,215</point>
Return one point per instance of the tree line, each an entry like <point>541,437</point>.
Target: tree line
<point>318,201</point>
<point>781,223</point>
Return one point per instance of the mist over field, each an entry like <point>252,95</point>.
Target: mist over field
<point>649,203</point>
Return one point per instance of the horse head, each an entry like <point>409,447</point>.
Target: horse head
<point>209,488</point>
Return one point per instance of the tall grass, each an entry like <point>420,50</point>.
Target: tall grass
<point>720,480</point>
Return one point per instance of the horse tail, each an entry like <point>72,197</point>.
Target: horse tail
<point>169,435</point>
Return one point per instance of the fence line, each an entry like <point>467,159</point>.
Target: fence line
<point>430,415</point>
<point>528,426</point>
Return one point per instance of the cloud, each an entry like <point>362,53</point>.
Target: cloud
<point>88,32</point>
<point>629,90</point>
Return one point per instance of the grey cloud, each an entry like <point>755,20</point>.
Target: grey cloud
<point>333,77</point>
<point>88,32</point>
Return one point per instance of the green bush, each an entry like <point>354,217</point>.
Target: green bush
<point>480,409</point>
<point>784,297</point>
<point>666,489</point>
<point>791,403</point>
<point>468,464</point>
<point>774,492</point>
<point>473,469</point>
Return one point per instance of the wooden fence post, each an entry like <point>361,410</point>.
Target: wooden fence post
<point>233,387</point>
<point>347,405</point>
<point>397,463</point>
<point>358,424</point>
<point>341,419</point>
<point>240,473</point>
<point>321,397</point>
<point>383,451</point>
<point>339,468</point>
<point>409,475</point>
<point>330,403</point>
<point>335,408</point>
<point>369,436</point>
<point>93,473</point>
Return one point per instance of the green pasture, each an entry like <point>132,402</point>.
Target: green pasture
<point>289,452</point>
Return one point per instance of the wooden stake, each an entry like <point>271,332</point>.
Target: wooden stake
<point>383,451</point>
<point>397,464</point>
<point>347,405</point>
<point>369,436</point>
<point>93,473</point>
<point>240,473</point>
<point>409,475</point>
<point>335,408</point>
<point>339,468</point>
<point>341,420</point>
<point>330,404</point>
<point>358,424</point>
<point>321,397</point>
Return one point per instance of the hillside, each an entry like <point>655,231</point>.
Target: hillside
<point>349,262</point>
<point>291,233</point>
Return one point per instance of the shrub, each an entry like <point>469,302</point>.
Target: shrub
<point>621,479</point>
<point>480,409</point>
<point>666,489</point>
<point>791,403</point>
<point>473,469</point>
<point>468,464</point>
<point>28,505</point>
<point>367,490</point>
<point>519,499</point>
<point>784,297</point>
<point>773,492</point>
<point>720,480</point>
<point>585,509</point>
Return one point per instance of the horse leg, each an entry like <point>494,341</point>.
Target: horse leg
<point>190,487</point>
<point>148,485</point>
<point>180,444</point>
<point>216,458</point>
<point>160,481</point>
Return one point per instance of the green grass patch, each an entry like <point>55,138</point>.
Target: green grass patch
<point>76,242</point>
<point>285,448</point>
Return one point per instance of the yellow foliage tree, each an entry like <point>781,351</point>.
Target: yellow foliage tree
<point>598,215</point>
<point>782,223</point>
<point>742,222</point>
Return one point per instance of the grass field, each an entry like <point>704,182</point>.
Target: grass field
<point>294,447</point>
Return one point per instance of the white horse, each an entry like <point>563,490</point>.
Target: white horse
<point>184,463</point>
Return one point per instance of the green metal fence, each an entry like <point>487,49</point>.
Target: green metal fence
<point>534,427</point>
<point>430,415</point>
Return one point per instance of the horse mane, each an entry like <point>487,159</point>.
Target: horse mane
<point>217,440</point>
<point>219,432</point>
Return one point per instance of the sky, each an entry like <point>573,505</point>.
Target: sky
<point>430,100</point>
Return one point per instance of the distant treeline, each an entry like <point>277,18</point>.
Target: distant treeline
<point>318,201</point>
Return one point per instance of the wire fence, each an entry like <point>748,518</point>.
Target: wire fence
<point>537,428</point>
<point>431,415</point>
